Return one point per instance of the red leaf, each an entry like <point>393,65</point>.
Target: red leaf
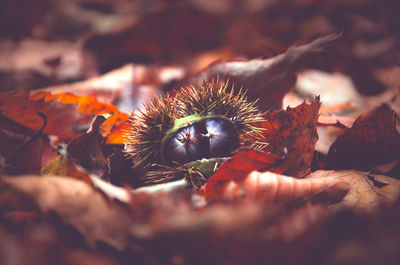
<point>237,168</point>
<point>293,132</point>
<point>373,139</point>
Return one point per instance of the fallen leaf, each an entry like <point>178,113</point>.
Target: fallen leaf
<point>336,91</point>
<point>14,200</point>
<point>44,244</point>
<point>23,150</point>
<point>61,166</point>
<point>329,128</point>
<point>190,30</point>
<point>293,134</point>
<point>82,156</point>
<point>119,170</point>
<point>266,79</point>
<point>237,168</point>
<point>298,222</point>
<point>125,220</point>
<point>18,218</point>
<point>374,139</point>
<point>86,149</point>
<point>66,113</point>
<point>88,105</point>
<point>387,187</point>
<point>27,65</point>
<point>63,120</point>
<point>102,87</point>
<point>78,204</point>
<point>117,134</point>
<point>367,193</point>
<point>128,85</point>
<point>33,53</point>
<point>272,188</point>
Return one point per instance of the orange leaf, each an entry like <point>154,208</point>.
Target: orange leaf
<point>88,105</point>
<point>117,133</point>
<point>65,112</point>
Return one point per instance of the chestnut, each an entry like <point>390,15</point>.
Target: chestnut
<point>210,137</point>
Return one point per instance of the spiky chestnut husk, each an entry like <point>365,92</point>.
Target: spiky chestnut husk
<point>189,109</point>
<point>147,129</point>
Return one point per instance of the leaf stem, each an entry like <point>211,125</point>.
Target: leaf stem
<point>30,140</point>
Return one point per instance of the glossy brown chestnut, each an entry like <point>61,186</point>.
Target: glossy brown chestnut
<point>210,137</point>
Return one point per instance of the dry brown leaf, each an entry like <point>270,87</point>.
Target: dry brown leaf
<point>337,92</point>
<point>99,211</point>
<point>189,31</point>
<point>374,139</point>
<point>267,80</point>
<point>114,85</point>
<point>22,150</point>
<point>86,149</point>
<point>295,224</point>
<point>329,128</point>
<point>386,186</point>
<point>78,204</point>
<point>367,193</point>
<point>14,200</point>
<point>43,244</point>
<point>123,220</point>
<point>102,212</point>
<point>33,63</point>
